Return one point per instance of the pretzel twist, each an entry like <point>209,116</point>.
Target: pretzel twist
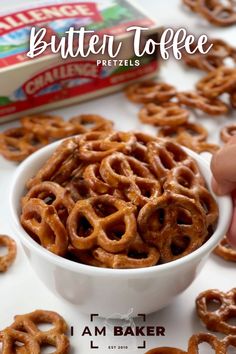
<point>150,91</point>
<point>217,320</point>
<point>225,251</point>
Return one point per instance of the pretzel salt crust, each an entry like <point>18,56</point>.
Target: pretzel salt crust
<point>18,143</point>
<point>8,259</point>
<point>25,331</point>
<point>217,320</point>
<point>225,251</point>
<point>150,91</point>
<point>170,114</point>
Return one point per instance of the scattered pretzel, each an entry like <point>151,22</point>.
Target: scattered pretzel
<point>218,81</point>
<point>90,122</point>
<point>8,259</point>
<point>169,114</point>
<point>18,143</point>
<point>218,12</point>
<point>225,251</point>
<point>217,320</point>
<point>24,330</point>
<point>194,131</point>
<point>150,91</point>
<point>227,132</point>
<point>196,100</point>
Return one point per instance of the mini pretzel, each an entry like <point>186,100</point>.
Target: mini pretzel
<point>96,150</point>
<point>233,99</point>
<point>52,194</point>
<point>166,114</point>
<point>131,176</point>
<point>90,122</point>
<point>191,4</point>
<point>212,60</point>
<point>197,146</point>
<point>139,150</point>
<point>217,320</point>
<point>11,337</point>
<point>180,214</point>
<point>227,132</point>
<point>218,81</point>
<point>217,12</point>
<point>43,223</point>
<point>93,177</point>
<point>166,350</point>
<point>65,150</point>
<point>139,255</point>
<point>105,221</point>
<point>28,332</point>
<point>164,155</point>
<point>196,339</point>
<point>196,132</point>
<point>8,259</point>
<point>228,341</point>
<point>18,143</point>
<point>49,126</point>
<point>196,100</point>
<point>79,188</point>
<point>150,91</point>
<point>225,251</point>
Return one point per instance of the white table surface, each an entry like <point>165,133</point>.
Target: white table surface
<point>20,289</point>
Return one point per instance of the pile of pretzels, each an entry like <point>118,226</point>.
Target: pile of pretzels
<point>119,200</point>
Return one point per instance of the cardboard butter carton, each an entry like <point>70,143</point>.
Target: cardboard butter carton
<point>30,85</point>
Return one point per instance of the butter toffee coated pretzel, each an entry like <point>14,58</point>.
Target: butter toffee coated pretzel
<point>217,320</point>
<point>97,200</point>
<point>227,132</point>
<point>225,251</point>
<point>24,336</point>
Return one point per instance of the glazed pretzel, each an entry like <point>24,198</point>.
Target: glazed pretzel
<point>182,215</point>
<point>48,125</point>
<point>228,341</point>
<point>213,341</point>
<point>170,114</point>
<point>218,81</point>
<point>55,162</point>
<point>139,150</point>
<point>197,146</point>
<point>150,91</point>
<point>28,324</point>
<point>217,320</point>
<point>131,176</point>
<point>196,132</point>
<point>214,59</point>
<point>43,223</point>
<point>90,122</point>
<point>8,259</point>
<point>191,4</point>
<point>196,100</point>
<point>95,182</point>
<point>11,339</point>
<point>139,255</point>
<point>18,143</point>
<point>79,187</point>
<point>52,194</point>
<point>166,350</point>
<point>104,221</point>
<point>227,132</point>
<point>104,145</point>
<point>215,11</point>
<point>225,251</point>
<point>165,155</point>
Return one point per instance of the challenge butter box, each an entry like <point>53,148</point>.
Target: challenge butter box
<point>30,85</point>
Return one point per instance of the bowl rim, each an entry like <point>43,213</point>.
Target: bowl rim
<point>223,223</point>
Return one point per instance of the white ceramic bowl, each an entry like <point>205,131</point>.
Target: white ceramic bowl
<point>110,291</point>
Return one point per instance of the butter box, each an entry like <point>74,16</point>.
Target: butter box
<point>30,85</point>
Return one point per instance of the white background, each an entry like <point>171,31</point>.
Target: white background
<point>20,289</point>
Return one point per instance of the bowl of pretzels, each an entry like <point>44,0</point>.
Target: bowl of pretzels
<point>113,221</point>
